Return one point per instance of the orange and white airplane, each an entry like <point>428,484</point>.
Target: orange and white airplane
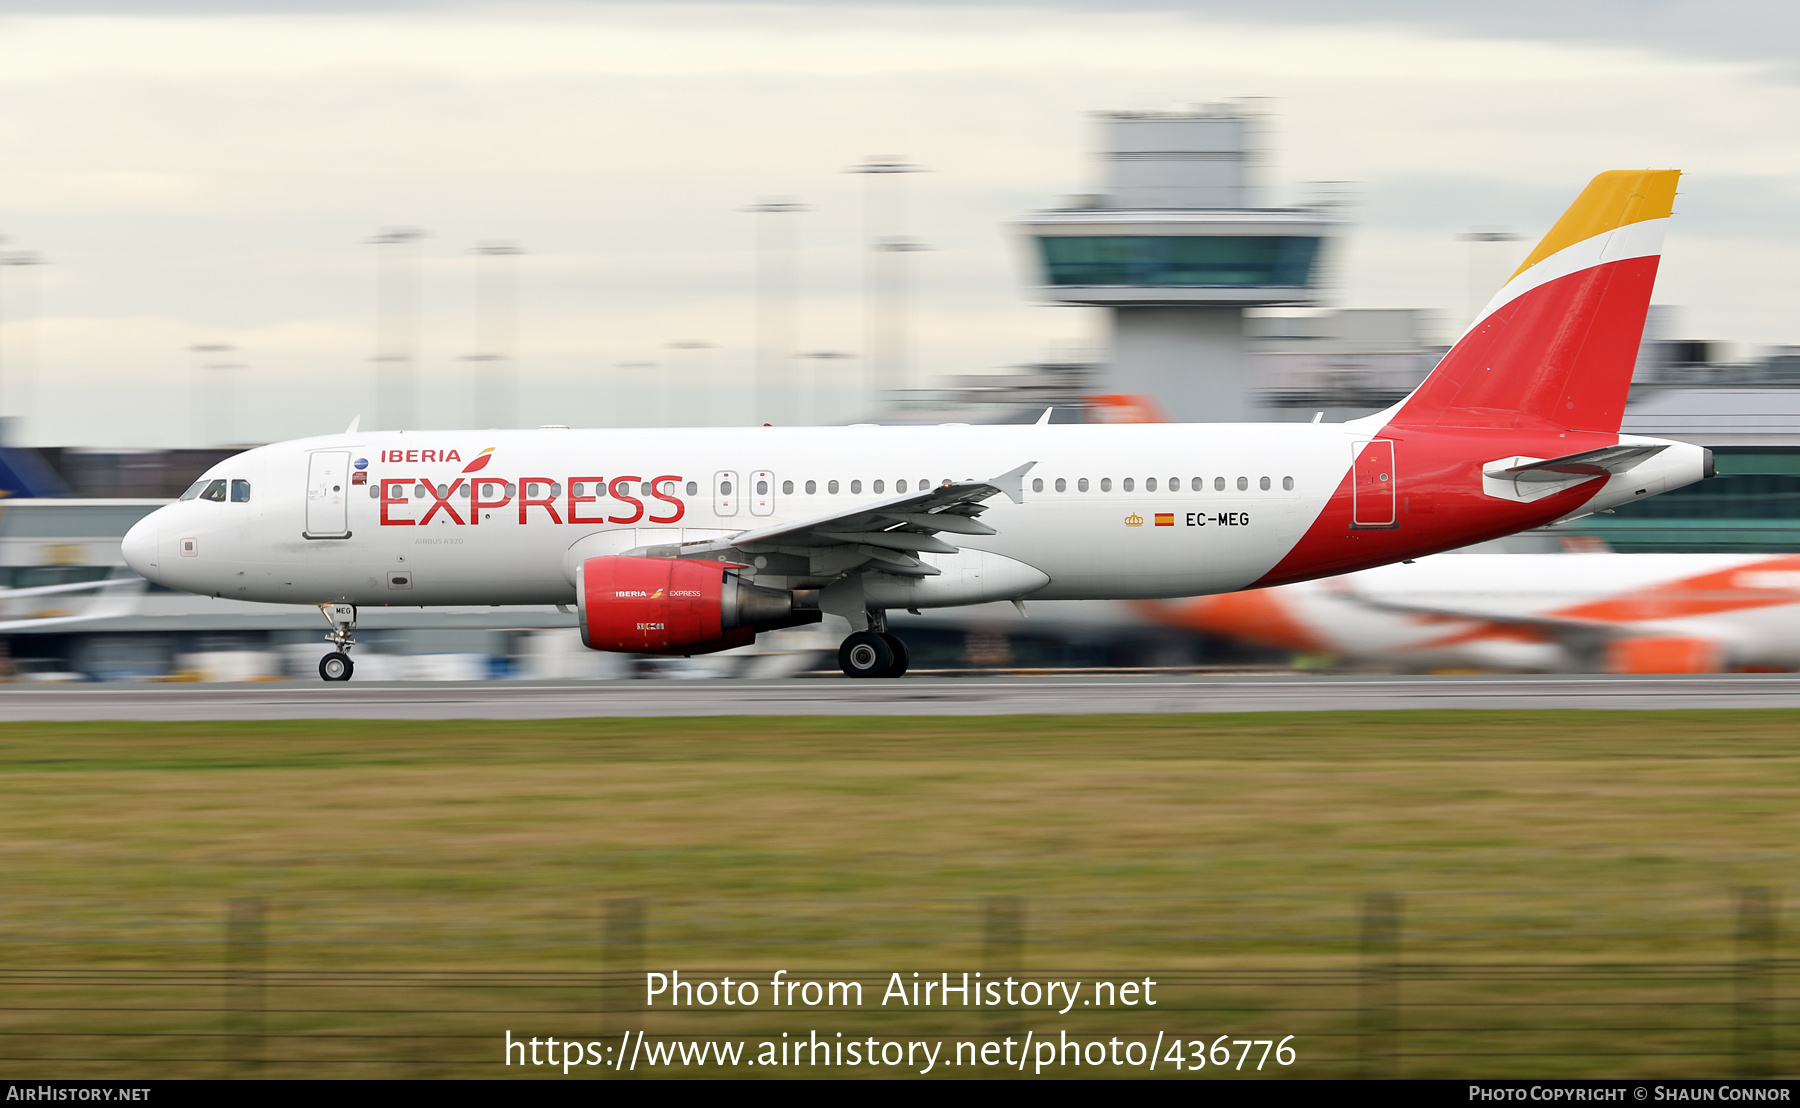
<point>687,541</point>
<point>1622,613</point>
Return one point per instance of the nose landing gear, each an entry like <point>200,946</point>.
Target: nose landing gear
<point>875,652</point>
<point>337,666</point>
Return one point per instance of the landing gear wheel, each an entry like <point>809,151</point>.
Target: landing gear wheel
<point>902,656</point>
<point>865,654</point>
<point>336,666</point>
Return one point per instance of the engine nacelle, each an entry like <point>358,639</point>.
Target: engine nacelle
<point>671,606</point>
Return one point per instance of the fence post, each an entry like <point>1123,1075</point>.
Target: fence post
<point>1002,952</point>
<point>1379,1033</point>
<point>1755,982</point>
<point>246,953</point>
<point>622,959</point>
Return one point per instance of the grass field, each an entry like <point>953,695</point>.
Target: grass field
<point>1566,882</point>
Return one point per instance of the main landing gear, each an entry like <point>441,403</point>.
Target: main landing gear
<point>873,653</point>
<point>337,666</point>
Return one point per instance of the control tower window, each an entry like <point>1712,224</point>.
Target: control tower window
<point>1185,261</point>
<point>215,490</point>
<point>240,492</point>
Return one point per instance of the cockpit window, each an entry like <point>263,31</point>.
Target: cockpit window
<point>215,490</point>
<point>240,491</point>
<point>194,489</point>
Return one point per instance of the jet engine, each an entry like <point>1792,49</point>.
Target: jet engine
<point>670,606</point>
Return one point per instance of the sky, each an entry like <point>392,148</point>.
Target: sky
<point>204,173</point>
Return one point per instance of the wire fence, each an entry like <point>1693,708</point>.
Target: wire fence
<point>1665,983</point>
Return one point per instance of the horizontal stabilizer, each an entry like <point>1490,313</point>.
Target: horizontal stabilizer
<point>1574,467</point>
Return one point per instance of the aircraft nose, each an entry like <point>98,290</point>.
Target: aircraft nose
<point>139,546</point>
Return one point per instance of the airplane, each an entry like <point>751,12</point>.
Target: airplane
<point>1621,613</point>
<point>687,541</point>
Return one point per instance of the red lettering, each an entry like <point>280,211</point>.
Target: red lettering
<point>476,503</point>
<point>575,501</point>
<point>442,501</point>
<point>656,491</point>
<point>387,485</point>
<point>452,456</point>
<point>627,498</point>
<point>548,503</point>
<point>412,455</point>
<point>428,456</point>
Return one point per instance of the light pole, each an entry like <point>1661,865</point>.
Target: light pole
<point>495,361</point>
<point>811,384</point>
<point>1482,283</point>
<point>777,282</point>
<point>660,396</point>
<point>694,351</point>
<point>212,403</point>
<point>21,400</point>
<point>884,286</point>
<point>396,326</point>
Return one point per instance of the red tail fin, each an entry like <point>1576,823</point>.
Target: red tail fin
<point>1556,346</point>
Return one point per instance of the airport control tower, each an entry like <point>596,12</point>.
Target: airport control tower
<point>1176,249</point>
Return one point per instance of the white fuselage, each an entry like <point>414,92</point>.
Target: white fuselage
<point>1104,512</point>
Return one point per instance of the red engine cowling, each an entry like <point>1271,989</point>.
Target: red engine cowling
<point>656,606</point>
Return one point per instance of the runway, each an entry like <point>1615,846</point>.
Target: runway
<point>976,696</point>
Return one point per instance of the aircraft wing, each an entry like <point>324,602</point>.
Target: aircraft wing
<point>1576,632</point>
<point>119,600</point>
<point>889,532</point>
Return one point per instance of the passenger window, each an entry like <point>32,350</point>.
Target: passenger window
<point>900,486</point>
<point>1106,484</point>
<point>215,490</point>
<point>1243,483</point>
<point>878,486</point>
<point>762,488</point>
<point>1174,484</point>
<point>831,487</point>
<point>194,489</point>
<point>787,488</point>
<point>1037,484</point>
<point>693,488</point>
<point>856,486</point>
<point>1081,485</point>
<point>1149,484</point>
<point>240,491</point>
<point>1199,484</point>
<point>724,488</point>
<point>812,487</point>
<point>1062,485</point>
<point>1263,484</point>
<point>1127,484</point>
<point>1287,483</point>
<point>1218,484</point>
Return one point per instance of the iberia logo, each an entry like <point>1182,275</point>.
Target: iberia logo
<point>480,462</point>
<point>1134,520</point>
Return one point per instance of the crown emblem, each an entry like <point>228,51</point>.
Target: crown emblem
<point>1134,520</point>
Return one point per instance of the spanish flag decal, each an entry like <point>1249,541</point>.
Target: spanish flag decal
<point>1165,519</point>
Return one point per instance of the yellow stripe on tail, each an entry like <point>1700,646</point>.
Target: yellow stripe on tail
<point>1610,201</point>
